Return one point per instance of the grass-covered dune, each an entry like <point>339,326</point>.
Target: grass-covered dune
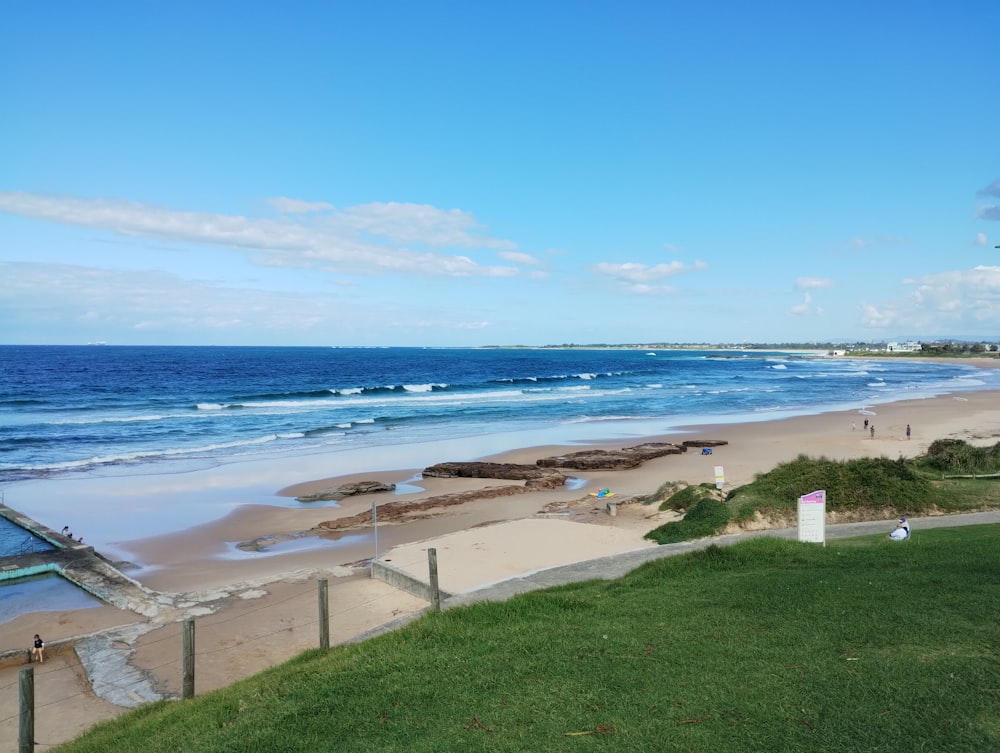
<point>952,476</point>
<point>768,645</point>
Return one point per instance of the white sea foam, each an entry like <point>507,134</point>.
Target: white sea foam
<point>117,419</point>
<point>598,419</point>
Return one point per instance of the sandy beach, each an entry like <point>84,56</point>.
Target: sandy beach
<point>255,611</point>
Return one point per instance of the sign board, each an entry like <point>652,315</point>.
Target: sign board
<point>720,477</point>
<point>812,517</point>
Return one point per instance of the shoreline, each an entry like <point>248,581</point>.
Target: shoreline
<point>254,611</point>
<point>204,554</point>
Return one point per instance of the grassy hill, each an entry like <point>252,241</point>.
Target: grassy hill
<point>769,645</point>
<point>952,476</point>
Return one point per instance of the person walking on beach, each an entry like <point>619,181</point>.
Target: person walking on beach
<point>38,650</point>
<point>907,431</point>
<point>872,431</point>
<point>866,423</point>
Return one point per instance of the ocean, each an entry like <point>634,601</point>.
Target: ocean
<point>118,441</point>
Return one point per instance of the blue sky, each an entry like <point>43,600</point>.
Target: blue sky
<point>448,173</point>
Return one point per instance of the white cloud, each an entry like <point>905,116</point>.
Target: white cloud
<point>644,289</point>
<point>635,272</point>
<point>989,211</point>
<point>993,189</point>
<point>945,303</point>
<point>858,243</point>
<point>416,223</point>
<point>108,300</point>
<point>806,308</point>
<point>812,283</point>
<point>878,317</point>
<point>801,309</point>
<point>517,257</point>
<point>354,240</point>
<point>297,206</point>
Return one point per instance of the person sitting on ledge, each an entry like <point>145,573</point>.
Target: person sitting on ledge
<point>37,650</point>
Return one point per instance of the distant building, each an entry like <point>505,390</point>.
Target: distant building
<point>907,347</point>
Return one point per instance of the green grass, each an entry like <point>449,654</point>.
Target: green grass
<point>860,484</point>
<point>704,519</point>
<point>769,645</point>
<point>957,456</point>
<point>861,488</point>
<point>679,497</point>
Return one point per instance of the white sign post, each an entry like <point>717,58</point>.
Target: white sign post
<point>812,517</point>
<point>720,477</point>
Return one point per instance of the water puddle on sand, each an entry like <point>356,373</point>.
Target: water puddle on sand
<point>271,546</point>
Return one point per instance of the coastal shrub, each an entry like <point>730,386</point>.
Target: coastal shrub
<point>958,456</point>
<point>850,485</point>
<point>707,517</point>
<point>663,492</point>
<point>688,497</point>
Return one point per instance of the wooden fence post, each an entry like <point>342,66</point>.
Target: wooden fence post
<point>187,683</point>
<point>324,614</point>
<point>432,563</point>
<point>26,700</point>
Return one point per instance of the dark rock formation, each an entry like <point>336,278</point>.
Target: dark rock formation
<point>395,511</point>
<point>542,475</point>
<point>347,490</point>
<point>534,476</point>
<point>613,460</point>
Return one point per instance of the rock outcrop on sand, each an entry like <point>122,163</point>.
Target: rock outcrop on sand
<point>534,476</point>
<point>395,511</point>
<point>625,458</point>
<point>542,475</point>
<point>347,490</point>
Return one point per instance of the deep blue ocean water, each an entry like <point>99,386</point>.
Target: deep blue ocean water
<point>71,409</point>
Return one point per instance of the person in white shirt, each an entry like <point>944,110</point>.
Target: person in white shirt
<point>901,531</point>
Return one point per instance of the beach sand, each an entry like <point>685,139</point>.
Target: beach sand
<point>255,611</point>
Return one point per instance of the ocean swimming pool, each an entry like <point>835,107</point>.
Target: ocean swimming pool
<point>45,592</point>
<point>15,540</point>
